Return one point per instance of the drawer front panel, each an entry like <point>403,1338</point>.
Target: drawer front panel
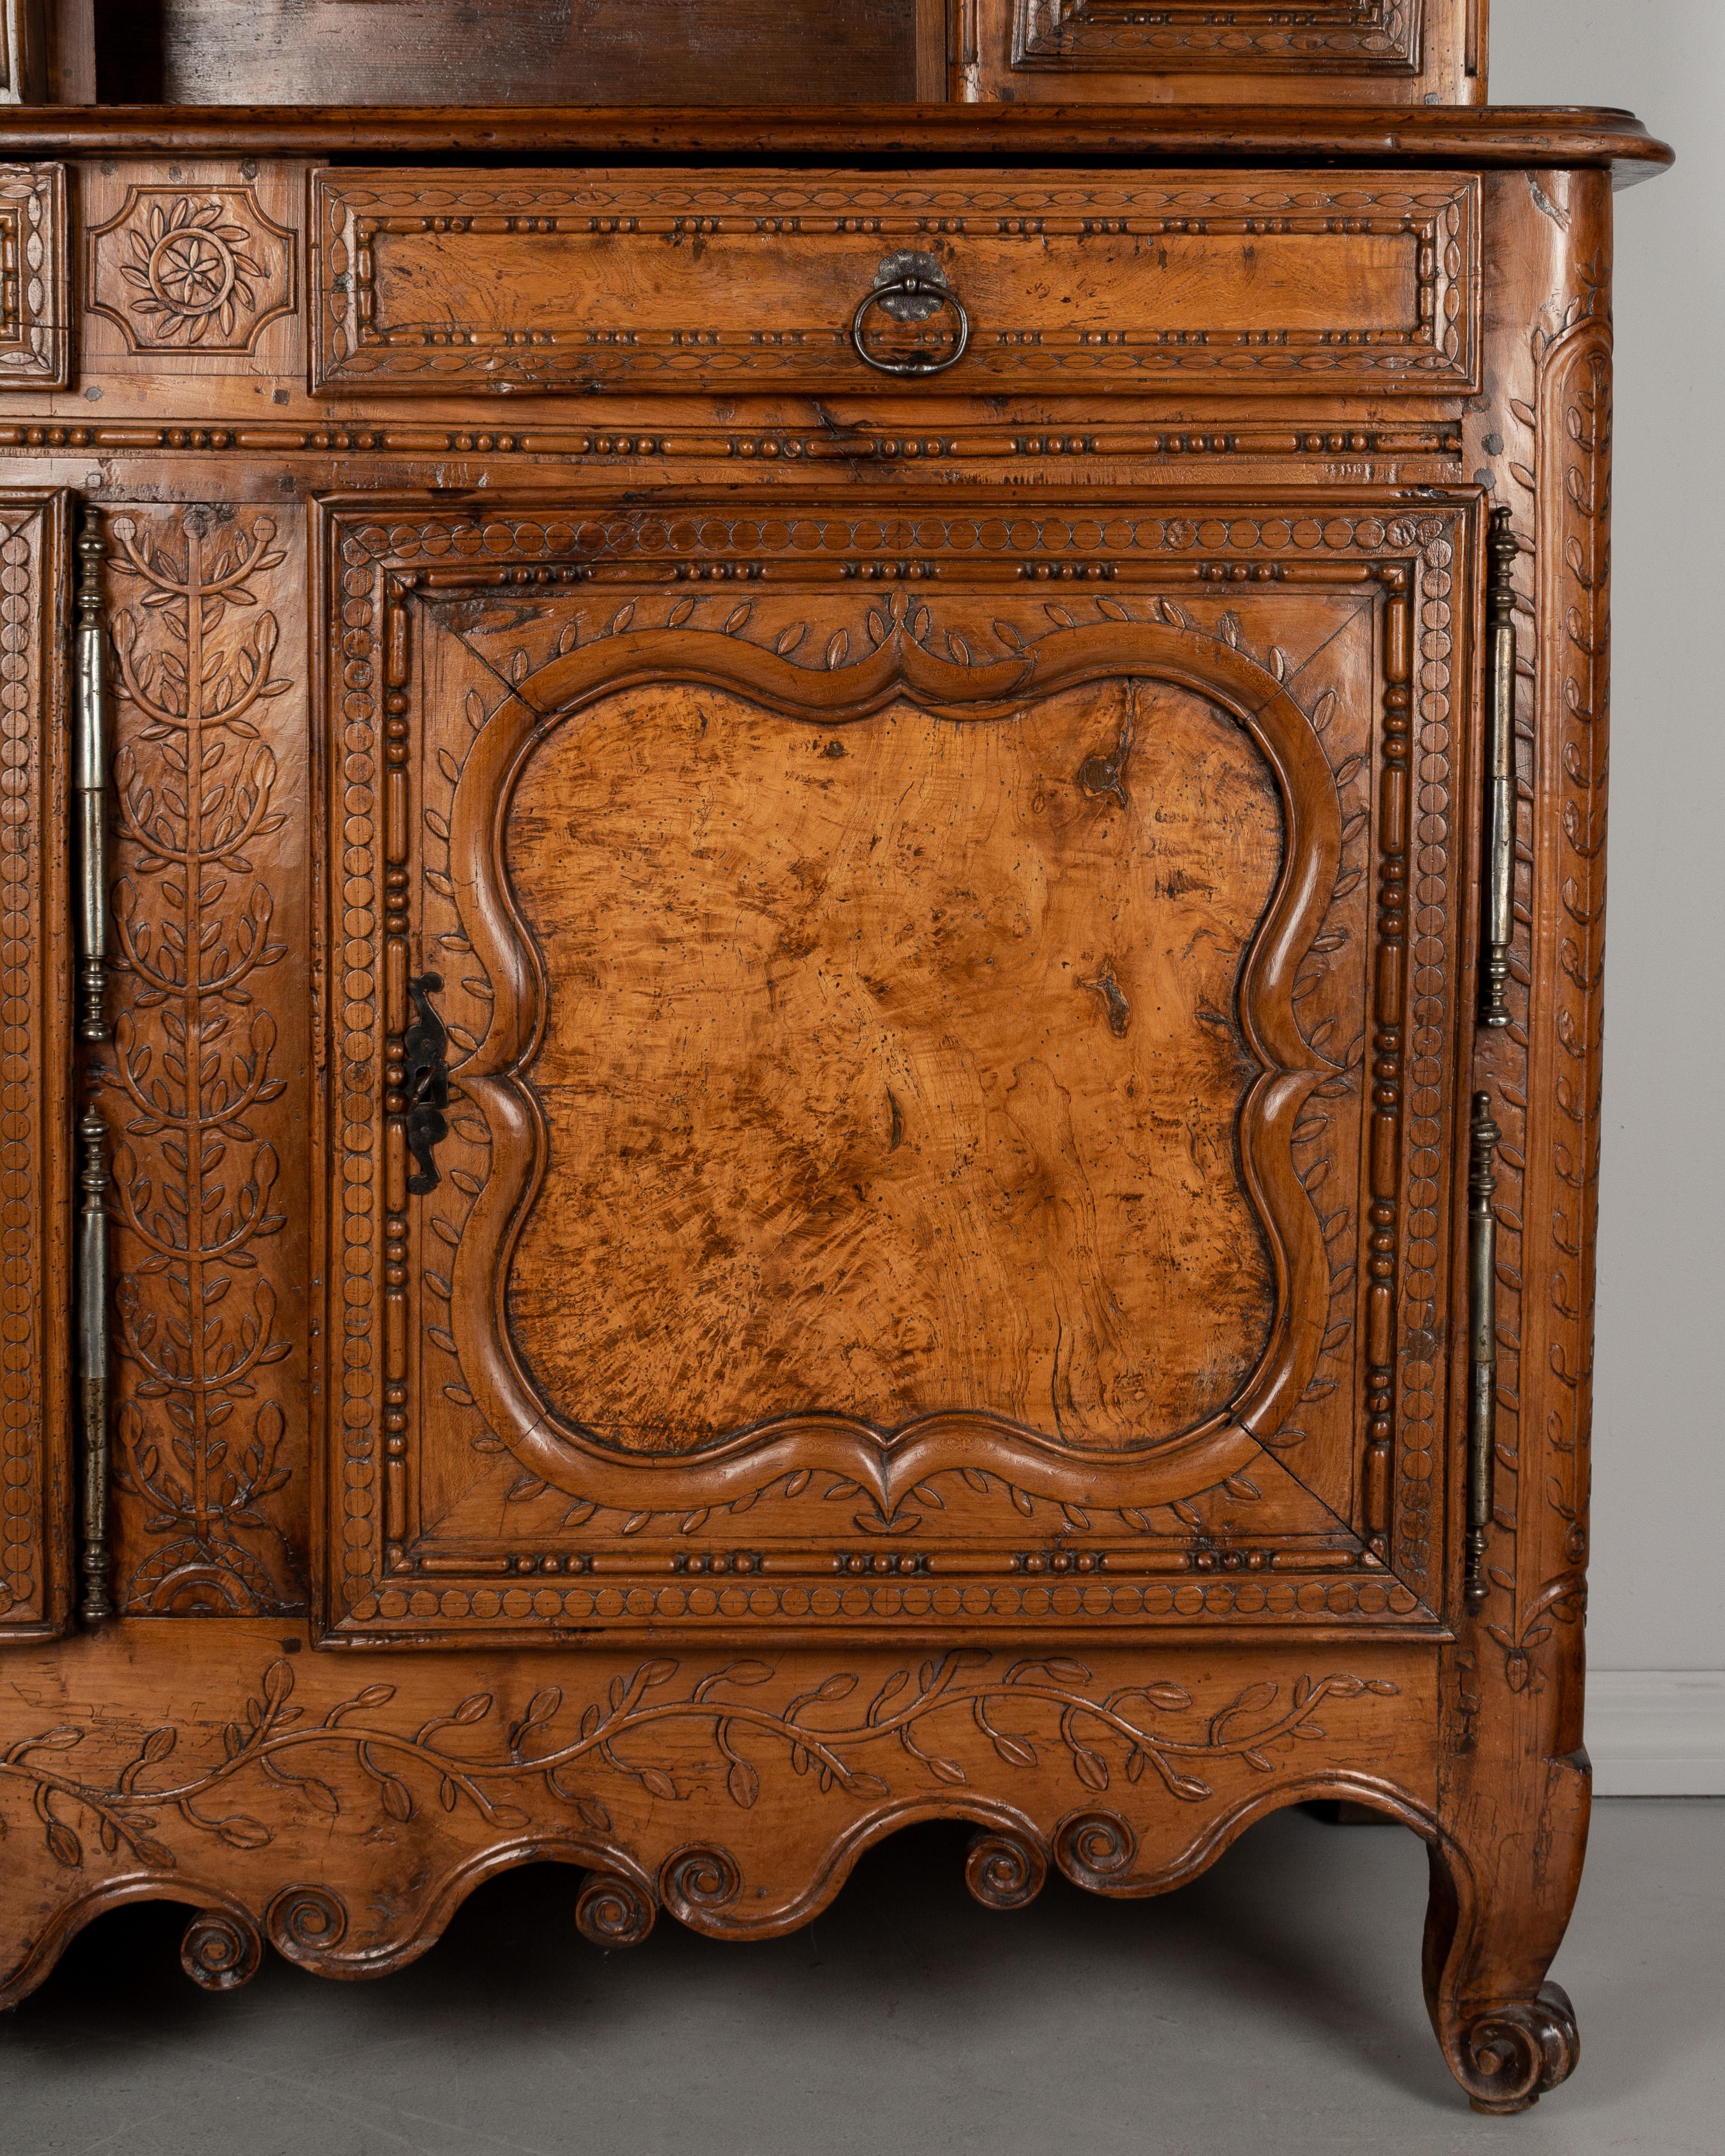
<point>852,1108</point>
<point>1082,282</point>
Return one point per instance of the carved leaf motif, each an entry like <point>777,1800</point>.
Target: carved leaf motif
<point>640,1710</point>
<point>194,934</point>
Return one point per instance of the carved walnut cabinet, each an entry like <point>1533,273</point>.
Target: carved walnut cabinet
<point>801,914</point>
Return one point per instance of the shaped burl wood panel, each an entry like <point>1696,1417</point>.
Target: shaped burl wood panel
<point>870,1084</point>
<point>886,1065</point>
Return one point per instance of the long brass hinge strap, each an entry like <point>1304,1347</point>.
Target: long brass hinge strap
<point>1483,1341</point>
<point>1499,909</point>
<point>89,785</point>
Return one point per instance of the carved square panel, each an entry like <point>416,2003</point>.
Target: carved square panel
<point>855,1073</point>
<point>192,268</point>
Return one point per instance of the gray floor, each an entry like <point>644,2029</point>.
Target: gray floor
<point>1273,2005</point>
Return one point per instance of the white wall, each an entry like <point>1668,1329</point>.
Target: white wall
<point>1659,1433</point>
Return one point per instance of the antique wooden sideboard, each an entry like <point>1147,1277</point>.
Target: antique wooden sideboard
<point>801,915</point>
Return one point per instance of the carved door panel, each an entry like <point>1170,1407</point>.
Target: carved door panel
<point>847,1047</point>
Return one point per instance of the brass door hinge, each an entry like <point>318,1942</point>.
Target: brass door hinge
<point>1500,892</point>
<point>89,785</point>
<point>1483,1341</point>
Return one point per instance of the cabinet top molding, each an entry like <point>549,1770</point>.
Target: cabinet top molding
<point>1478,136</point>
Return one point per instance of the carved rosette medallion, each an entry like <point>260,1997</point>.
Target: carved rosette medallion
<point>185,270</point>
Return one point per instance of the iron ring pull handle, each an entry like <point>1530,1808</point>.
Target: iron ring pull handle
<point>912,287</point>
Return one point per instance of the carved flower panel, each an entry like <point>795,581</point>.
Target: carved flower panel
<point>192,269</point>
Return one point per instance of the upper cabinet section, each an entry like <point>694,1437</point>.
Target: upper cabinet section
<point>1192,51</point>
<point>520,52</point>
<point>707,52</point>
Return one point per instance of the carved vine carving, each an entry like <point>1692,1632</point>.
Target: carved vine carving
<point>193,1175</point>
<point>349,1755</point>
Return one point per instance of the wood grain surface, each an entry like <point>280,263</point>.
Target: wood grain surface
<point>891,1069</point>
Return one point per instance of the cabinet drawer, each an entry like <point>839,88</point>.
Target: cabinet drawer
<point>431,281</point>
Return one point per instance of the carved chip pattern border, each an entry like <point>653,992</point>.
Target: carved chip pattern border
<point>1442,353</point>
<point>35,278</point>
<point>1431,1027</point>
<point>1380,37</point>
<point>358,688</point>
<point>1419,443</point>
<point>34,1348</point>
